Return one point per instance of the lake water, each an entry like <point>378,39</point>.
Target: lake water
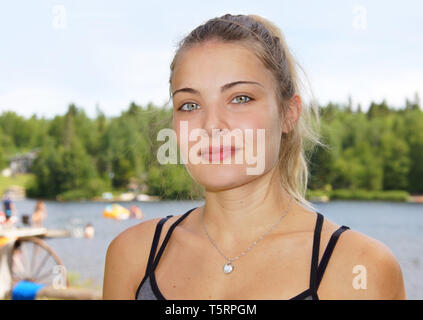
<point>398,225</point>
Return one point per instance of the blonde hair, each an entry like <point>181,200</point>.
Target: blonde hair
<point>267,42</point>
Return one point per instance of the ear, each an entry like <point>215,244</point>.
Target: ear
<point>292,113</point>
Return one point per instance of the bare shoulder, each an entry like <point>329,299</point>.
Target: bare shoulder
<point>126,260</point>
<point>360,267</point>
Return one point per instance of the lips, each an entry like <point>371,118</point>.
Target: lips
<point>216,150</point>
<point>213,154</point>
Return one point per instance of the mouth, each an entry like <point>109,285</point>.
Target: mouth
<point>220,153</point>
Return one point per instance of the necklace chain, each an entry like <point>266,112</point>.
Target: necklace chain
<point>253,244</point>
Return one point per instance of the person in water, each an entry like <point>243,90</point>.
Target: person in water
<point>256,236</point>
<point>89,231</point>
<point>10,211</point>
<point>39,215</point>
<point>8,207</point>
<point>136,212</point>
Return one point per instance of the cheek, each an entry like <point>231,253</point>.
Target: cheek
<point>182,129</point>
<point>272,149</point>
<point>185,129</point>
<point>272,131</point>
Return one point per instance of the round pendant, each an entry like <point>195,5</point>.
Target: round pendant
<point>228,267</point>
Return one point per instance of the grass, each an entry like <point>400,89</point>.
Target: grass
<point>360,194</point>
<point>22,180</point>
<point>75,281</point>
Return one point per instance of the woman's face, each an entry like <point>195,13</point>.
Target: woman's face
<point>205,103</point>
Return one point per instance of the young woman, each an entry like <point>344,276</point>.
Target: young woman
<point>256,237</point>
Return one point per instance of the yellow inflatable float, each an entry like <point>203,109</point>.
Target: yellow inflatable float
<point>116,211</point>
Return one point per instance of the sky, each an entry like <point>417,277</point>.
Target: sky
<point>103,55</point>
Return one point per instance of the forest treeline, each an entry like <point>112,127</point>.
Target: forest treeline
<point>81,157</point>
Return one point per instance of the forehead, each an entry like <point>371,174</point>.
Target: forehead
<point>214,63</point>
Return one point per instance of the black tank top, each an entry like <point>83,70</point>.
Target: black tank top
<point>149,290</point>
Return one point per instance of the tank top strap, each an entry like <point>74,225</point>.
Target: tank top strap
<point>168,234</point>
<point>315,252</point>
<point>156,238</point>
<point>328,252</point>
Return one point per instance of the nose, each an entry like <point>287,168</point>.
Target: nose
<point>214,120</point>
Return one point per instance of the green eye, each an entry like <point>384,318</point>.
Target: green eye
<point>242,100</point>
<point>190,108</point>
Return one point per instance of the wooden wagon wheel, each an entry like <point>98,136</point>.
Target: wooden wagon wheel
<point>33,260</point>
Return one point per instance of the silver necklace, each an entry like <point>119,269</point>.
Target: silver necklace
<point>228,267</point>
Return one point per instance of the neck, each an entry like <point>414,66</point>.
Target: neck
<point>242,214</point>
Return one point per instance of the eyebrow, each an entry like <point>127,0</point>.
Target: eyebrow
<point>222,89</point>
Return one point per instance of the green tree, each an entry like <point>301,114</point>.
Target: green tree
<point>172,182</point>
<point>378,110</point>
<point>45,167</point>
<point>414,137</point>
<point>396,162</point>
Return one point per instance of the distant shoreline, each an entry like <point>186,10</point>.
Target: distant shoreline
<point>16,187</point>
<point>315,199</point>
<point>359,194</point>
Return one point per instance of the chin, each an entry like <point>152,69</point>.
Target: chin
<point>219,177</point>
